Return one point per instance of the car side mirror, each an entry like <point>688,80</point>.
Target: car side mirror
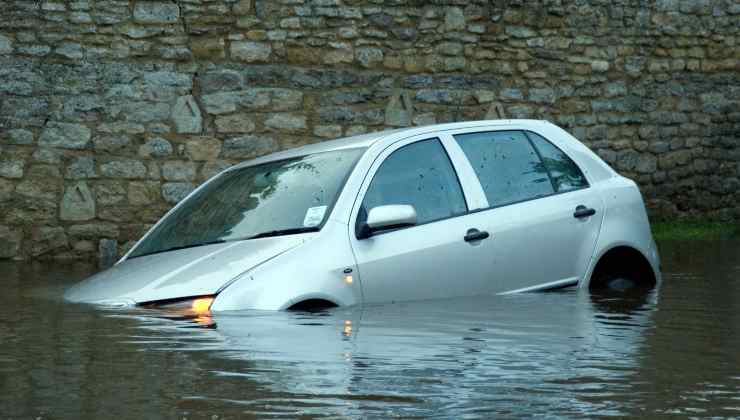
<point>387,217</point>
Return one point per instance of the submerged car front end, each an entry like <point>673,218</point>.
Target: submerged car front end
<point>181,275</point>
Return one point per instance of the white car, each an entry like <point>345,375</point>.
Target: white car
<point>463,209</point>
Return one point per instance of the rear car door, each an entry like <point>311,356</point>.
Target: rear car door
<point>431,259</point>
<point>541,214</point>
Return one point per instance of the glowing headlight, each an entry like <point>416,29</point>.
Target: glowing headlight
<point>196,305</point>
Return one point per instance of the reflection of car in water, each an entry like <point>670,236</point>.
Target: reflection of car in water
<point>462,209</point>
<point>532,352</point>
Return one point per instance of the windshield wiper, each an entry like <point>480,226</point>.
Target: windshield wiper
<point>278,232</point>
<point>281,232</point>
<point>175,248</point>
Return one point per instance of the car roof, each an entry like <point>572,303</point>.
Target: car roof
<point>370,139</point>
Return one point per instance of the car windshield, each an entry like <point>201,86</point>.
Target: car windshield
<point>275,198</point>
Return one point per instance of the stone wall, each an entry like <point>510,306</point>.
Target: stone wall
<point>112,110</point>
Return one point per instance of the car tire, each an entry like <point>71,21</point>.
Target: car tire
<point>619,282</point>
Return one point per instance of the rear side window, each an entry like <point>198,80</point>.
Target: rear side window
<point>507,166</point>
<point>565,174</point>
<point>419,174</point>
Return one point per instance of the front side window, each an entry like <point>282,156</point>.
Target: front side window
<point>419,174</point>
<point>507,166</point>
<point>564,173</point>
<point>275,198</point>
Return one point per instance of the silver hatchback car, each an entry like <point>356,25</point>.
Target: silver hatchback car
<point>462,209</point>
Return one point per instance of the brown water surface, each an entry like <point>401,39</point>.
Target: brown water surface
<point>675,352</point>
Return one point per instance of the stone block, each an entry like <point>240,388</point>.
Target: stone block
<point>173,192</point>
<point>11,168</point>
<point>208,48</point>
<point>424,119</point>
<point>484,96</point>
<point>356,130</point>
<point>178,171</point>
<point>454,19</point>
<point>520,32</point>
<point>286,122</point>
<point>124,168</point>
<point>20,137</point>
<point>646,164</point>
<point>542,95</point>
<point>213,167</point>
<point>156,147</point>
<point>39,189</point>
<point>78,203</point>
<point>247,147</point>
<point>6,189</point>
<point>70,50</point>
<point>400,110</point>
<point>107,252</point>
<point>46,239</point>
<point>203,148</point>
<point>369,56</point>
<point>6,45</point>
<point>93,230</point>
<point>111,143</point>
<point>328,131</point>
<point>65,136</point>
<point>34,50</point>
<point>221,80</point>
<point>168,79</point>
<point>275,99</point>
<point>341,52</point>
<point>599,66</point>
<point>10,242</point>
<point>146,11</point>
<point>511,94</point>
<point>109,193</point>
<point>186,115</point>
<point>242,7</point>
<point>83,247</point>
<point>235,123</point>
<point>141,193</point>
<point>250,52</point>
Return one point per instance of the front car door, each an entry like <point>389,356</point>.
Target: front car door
<point>541,214</point>
<point>430,259</point>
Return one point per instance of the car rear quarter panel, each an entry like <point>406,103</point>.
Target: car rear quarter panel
<point>625,223</point>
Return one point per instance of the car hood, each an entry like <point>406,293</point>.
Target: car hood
<point>187,272</point>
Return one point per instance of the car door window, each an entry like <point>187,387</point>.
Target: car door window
<point>565,174</point>
<point>507,166</point>
<point>419,174</point>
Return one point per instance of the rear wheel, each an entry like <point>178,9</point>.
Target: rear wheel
<point>622,269</point>
<point>617,293</point>
<point>620,282</point>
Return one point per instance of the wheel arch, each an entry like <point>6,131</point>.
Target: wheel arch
<point>622,257</point>
<point>312,301</point>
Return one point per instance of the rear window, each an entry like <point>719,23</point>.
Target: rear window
<point>565,174</point>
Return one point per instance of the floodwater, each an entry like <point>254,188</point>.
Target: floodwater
<point>674,352</point>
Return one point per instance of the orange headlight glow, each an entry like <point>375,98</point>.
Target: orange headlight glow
<point>202,305</point>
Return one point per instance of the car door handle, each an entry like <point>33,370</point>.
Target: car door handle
<point>583,211</point>
<point>476,235</point>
